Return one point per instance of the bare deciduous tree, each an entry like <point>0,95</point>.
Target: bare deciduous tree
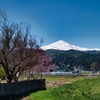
<point>16,47</point>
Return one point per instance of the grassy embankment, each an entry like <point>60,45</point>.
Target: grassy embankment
<point>81,88</point>
<point>86,89</point>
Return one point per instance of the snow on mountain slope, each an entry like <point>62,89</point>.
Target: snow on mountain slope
<point>62,45</point>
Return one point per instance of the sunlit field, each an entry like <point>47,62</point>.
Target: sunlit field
<point>58,80</point>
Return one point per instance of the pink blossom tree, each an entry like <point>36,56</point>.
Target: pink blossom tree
<point>41,62</point>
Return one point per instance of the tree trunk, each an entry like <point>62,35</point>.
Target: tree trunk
<point>15,78</point>
<point>41,75</point>
<point>9,78</point>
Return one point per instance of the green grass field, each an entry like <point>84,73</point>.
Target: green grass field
<point>69,88</point>
<point>85,89</point>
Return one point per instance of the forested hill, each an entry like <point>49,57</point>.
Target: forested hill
<point>67,60</point>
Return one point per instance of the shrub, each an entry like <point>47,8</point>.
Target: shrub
<point>2,73</point>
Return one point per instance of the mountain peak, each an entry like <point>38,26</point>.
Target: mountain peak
<point>62,45</point>
<point>61,41</point>
<point>59,45</point>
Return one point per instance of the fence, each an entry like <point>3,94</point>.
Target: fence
<point>21,88</point>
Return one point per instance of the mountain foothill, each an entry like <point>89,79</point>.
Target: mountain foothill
<point>67,56</point>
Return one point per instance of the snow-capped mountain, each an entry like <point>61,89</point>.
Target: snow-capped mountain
<point>62,45</point>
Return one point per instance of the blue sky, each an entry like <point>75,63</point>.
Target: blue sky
<point>75,21</point>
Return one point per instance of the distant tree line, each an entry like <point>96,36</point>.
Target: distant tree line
<point>68,60</point>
